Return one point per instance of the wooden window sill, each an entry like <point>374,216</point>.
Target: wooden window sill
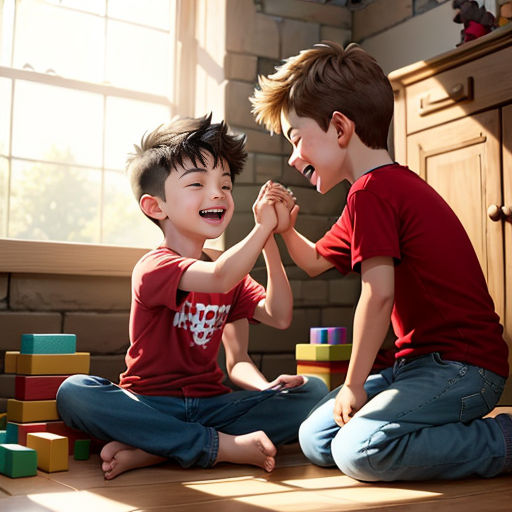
<point>26,256</point>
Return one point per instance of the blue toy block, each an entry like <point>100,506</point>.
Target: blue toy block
<point>11,433</point>
<point>48,344</point>
<point>3,436</point>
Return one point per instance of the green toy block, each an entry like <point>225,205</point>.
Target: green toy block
<point>17,461</point>
<point>48,344</point>
<point>82,449</point>
<point>12,433</point>
<point>3,436</point>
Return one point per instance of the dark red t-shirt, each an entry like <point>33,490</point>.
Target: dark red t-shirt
<point>174,335</point>
<point>442,303</point>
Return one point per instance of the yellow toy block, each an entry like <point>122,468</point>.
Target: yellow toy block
<point>332,380</point>
<point>53,364</point>
<point>10,361</point>
<point>25,411</point>
<point>317,352</point>
<point>52,451</point>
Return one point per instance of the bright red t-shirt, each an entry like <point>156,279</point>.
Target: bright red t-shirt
<point>442,303</point>
<point>175,335</point>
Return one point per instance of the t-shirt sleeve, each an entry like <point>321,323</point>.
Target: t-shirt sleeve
<point>247,297</point>
<point>156,278</point>
<point>376,227</point>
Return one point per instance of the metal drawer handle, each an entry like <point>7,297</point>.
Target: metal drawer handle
<point>456,94</point>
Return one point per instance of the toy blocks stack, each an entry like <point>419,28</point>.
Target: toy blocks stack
<point>326,356</point>
<point>34,430</point>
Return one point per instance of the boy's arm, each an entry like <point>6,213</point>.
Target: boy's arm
<point>302,250</point>
<point>277,308</point>
<point>241,369</point>
<point>224,273</point>
<point>371,323</point>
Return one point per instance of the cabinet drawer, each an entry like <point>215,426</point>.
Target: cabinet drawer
<point>460,91</point>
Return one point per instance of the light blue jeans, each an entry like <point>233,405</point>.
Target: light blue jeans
<point>422,421</point>
<point>182,429</point>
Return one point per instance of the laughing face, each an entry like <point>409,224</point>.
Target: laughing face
<point>198,200</point>
<point>316,154</point>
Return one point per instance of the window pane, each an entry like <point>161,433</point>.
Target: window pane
<point>4,182</point>
<point>6,29</point>
<point>94,6</point>
<point>138,58</point>
<point>54,202</point>
<point>126,122</point>
<point>5,118</point>
<point>68,42</point>
<point>57,124</point>
<point>124,223</point>
<point>146,12</point>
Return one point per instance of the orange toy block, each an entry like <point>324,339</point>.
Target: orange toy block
<point>53,364</point>
<point>10,361</point>
<point>31,411</point>
<point>52,451</point>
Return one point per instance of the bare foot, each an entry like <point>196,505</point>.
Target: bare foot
<point>119,457</point>
<point>254,448</point>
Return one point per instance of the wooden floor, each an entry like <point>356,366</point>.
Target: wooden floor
<point>295,485</point>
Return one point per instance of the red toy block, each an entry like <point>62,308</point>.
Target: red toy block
<point>38,387</point>
<point>19,431</point>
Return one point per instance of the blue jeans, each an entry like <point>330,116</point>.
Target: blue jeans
<point>182,429</point>
<point>422,421</point>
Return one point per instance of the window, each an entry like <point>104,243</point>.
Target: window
<point>80,82</point>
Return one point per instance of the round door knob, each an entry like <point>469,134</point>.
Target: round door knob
<point>507,212</point>
<point>494,212</point>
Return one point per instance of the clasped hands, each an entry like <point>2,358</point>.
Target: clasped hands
<point>275,205</point>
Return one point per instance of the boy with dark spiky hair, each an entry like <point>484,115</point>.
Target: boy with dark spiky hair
<point>171,402</point>
<point>422,417</point>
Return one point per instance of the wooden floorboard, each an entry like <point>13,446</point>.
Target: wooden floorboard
<point>295,485</point>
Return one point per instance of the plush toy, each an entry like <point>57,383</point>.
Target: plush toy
<point>477,20</point>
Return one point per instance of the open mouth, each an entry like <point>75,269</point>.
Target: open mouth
<point>308,172</point>
<point>213,213</point>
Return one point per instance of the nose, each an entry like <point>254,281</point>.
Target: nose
<point>217,192</point>
<point>294,157</point>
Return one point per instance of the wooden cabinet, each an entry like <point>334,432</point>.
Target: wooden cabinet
<point>453,125</point>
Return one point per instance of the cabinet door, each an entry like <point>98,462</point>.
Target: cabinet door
<point>461,160</point>
<point>507,224</point>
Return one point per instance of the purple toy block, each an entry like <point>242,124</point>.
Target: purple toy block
<point>318,335</point>
<point>328,335</point>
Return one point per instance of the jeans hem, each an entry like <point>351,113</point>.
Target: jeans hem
<point>214,447</point>
<point>504,421</point>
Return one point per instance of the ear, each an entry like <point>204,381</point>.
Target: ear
<point>150,205</point>
<point>344,127</point>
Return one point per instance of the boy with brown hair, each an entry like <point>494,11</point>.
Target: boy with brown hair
<point>171,402</point>
<point>421,418</point>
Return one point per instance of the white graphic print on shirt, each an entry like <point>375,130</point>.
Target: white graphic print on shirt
<point>201,319</point>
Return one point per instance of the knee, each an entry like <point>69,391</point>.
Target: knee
<point>314,443</point>
<point>315,388</point>
<point>75,393</point>
<point>352,457</point>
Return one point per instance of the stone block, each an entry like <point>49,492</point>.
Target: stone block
<point>250,32</point>
<point>16,323</point>
<point>4,286</point>
<point>99,333</point>
<point>3,405</point>
<point>265,339</point>
<point>259,141</point>
<point>69,293</point>
<point>345,291</point>
<point>237,106</point>
<point>238,66</point>
<point>247,174</point>
<point>336,35</point>
<point>297,35</point>
<point>377,17</point>
<point>339,317</point>
<point>244,197</point>
<point>273,365</point>
<point>268,66</point>
<point>332,203</point>
<point>7,385</point>
<point>109,367</point>
<point>313,227</point>
<point>268,167</point>
<point>309,11</point>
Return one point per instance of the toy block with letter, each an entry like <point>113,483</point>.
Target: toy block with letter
<point>48,344</point>
<point>52,451</point>
<point>17,461</point>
